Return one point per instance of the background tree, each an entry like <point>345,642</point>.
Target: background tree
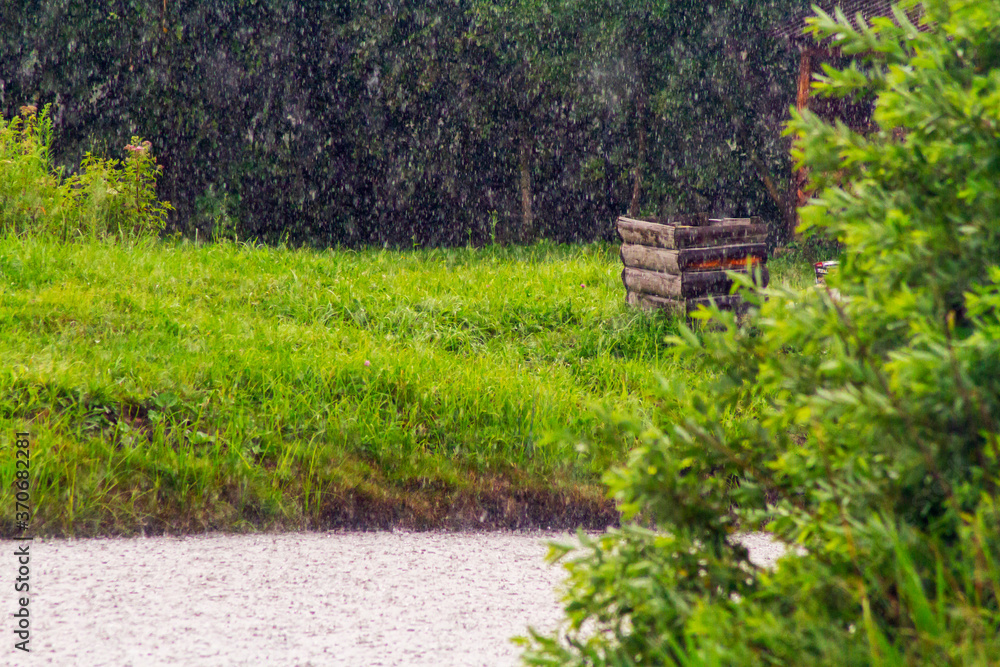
<point>364,121</point>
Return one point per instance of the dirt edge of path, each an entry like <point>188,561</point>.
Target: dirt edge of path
<point>497,505</point>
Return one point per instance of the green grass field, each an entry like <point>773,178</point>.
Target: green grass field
<point>182,388</point>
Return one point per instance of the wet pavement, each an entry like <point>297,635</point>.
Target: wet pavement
<point>291,599</point>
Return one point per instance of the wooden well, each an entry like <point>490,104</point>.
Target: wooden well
<point>680,263</point>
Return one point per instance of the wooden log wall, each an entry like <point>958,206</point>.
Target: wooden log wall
<point>683,263</point>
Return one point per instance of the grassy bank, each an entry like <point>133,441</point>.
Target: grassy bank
<point>181,388</point>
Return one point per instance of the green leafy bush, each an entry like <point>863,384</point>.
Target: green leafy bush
<point>106,198</point>
<point>862,428</point>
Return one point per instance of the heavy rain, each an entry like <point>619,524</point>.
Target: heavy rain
<point>383,332</point>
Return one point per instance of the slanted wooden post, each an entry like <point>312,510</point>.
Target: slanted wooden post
<point>800,176</point>
<point>805,76</point>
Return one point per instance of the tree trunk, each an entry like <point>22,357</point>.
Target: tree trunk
<point>527,218</point>
<point>787,203</point>
<point>640,158</point>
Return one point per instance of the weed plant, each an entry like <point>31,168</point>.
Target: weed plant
<point>105,198</point>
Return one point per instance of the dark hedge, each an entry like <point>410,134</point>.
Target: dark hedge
<point>365,122</point>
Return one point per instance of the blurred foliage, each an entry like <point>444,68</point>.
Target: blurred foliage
<point>105,198</point>
<point>689,93</point>
<point>859,424</point>
<point>401,122</point>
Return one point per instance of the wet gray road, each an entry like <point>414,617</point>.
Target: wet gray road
<point>293,599</point>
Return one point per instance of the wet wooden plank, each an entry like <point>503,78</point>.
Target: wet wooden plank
<point>754,220</point>
<point>719,258</point>
<point>684,285</point>
<point>642,232</point>
<point>652,282</point>
<point>653,234</point>
<point>732,302</point>
<point>683,220</point>
<point>649,302</point>
<point>687,220</point>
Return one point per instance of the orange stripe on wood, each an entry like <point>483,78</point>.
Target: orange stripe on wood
<point>724,264</point>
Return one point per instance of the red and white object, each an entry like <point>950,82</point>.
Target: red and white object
<point>822,269</point>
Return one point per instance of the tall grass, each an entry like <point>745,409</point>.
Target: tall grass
<point>179,387</point>
<point>169,386</point>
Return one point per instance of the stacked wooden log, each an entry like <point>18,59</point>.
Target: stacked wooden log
<point>680,263</point>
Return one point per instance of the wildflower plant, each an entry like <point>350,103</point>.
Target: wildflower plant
<point>105,198</point>
<point>140,172</point>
